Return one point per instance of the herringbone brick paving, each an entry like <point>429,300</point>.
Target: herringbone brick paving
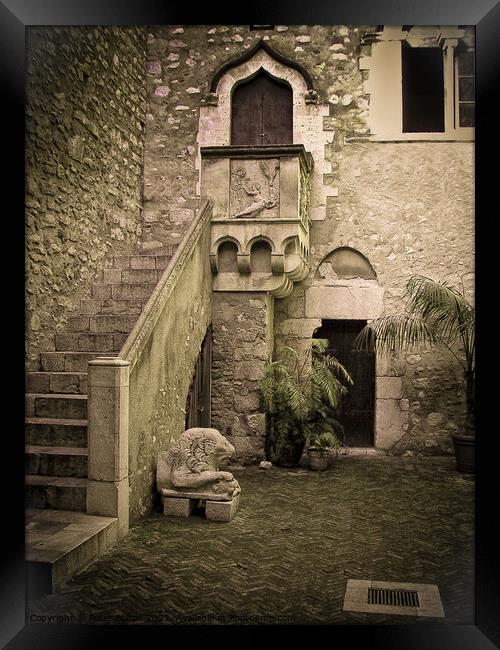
<point>288,553</point>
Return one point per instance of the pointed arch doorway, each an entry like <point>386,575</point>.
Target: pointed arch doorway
<point>357,412</point>
<point>262,112</point>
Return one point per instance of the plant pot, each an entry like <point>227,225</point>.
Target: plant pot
<point>465,453</point>
<point>318,459</point>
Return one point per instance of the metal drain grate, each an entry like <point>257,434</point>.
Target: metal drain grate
<point>393,597</point>
<point>403,598</point>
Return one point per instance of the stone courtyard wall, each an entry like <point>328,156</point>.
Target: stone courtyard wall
<point>85,112</point>
<point>409,208</point>
<point>406,206</point>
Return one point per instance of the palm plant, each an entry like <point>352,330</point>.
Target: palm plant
<point>436,314</point>
<point>300,395</point>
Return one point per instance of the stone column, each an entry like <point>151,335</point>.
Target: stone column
<point>108,404</point>
<point>242,342</point>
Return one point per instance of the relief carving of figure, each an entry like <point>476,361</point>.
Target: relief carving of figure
<point>191,466</point>
<point>241,182</point>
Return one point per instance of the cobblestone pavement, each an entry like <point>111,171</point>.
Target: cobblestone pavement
<point>288,553</point>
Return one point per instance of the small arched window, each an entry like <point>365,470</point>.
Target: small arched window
<point>262,112</point>
<point>227,257</point>
<point>260,257</point>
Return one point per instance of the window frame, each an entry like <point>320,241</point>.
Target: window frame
<point>407,115</point>
<point>385,87</point>
<point>457,89</point>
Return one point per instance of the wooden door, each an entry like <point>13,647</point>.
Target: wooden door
<point>261,112</point>
<point>357,412</point>
<point>199,396</point>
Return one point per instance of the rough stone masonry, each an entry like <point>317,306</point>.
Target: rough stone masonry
<point>85,113</point>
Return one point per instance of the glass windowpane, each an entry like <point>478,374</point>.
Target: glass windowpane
<point>466,63</point>
<point>466,115</point>
<point>466,89</point>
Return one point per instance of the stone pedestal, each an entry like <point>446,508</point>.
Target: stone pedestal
<point>178,507</point>
<point>222,510</point>
<point>214,510</point>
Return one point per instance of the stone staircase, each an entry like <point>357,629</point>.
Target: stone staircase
<point>56,422</point>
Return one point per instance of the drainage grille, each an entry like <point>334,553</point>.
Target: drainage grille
<point>393,597</point>
<point>402,598</point>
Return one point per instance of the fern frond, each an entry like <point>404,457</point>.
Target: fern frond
<point>395,333</point>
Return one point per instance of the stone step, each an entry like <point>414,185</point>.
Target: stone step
<point>56,461</point>
<point>56,431</point>
<point>56,382</point>
<point>56,492</point>
<point>98,324</point>
<point>129,291</point>
<point>163,249</point>
<point>96,306</point>
<point>88,341</point>
<point>60,543</point>
<point>132,276</point>
<point>56,405</point>
<point>66,361</point>
<point>141,261</point>
<point>123,291</point>
<point>115,323</point>
<point>138,276</point>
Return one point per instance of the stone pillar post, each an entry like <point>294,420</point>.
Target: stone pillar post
<point>108,403</point>
<point>242,342</point>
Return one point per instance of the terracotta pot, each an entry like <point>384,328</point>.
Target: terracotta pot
<point>318,459</point>
<point>465,453</point>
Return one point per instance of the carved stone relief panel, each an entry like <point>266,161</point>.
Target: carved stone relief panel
<point>254,192</point>
<point>305,194</point>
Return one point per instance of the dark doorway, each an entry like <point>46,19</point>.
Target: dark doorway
<point>262,112</point>
<point>198,401</point>
<point>357,412</point>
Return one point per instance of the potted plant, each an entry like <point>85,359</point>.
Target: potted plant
<point>321,447</point>
<point>436,314</point>
<point>299,395</point>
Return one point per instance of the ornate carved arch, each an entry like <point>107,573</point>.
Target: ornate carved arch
<point>248,54</point>
<point>215,112</point>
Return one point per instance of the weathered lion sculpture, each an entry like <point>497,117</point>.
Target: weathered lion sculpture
<point>191,466</point>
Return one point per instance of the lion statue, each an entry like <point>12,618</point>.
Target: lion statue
<point>191,466</point>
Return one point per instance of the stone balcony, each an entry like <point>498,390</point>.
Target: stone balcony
<point>260,221</point>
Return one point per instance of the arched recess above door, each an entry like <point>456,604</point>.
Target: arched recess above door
<point>345,263</point>
<point>215,112</point>
<point>345,287</point>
